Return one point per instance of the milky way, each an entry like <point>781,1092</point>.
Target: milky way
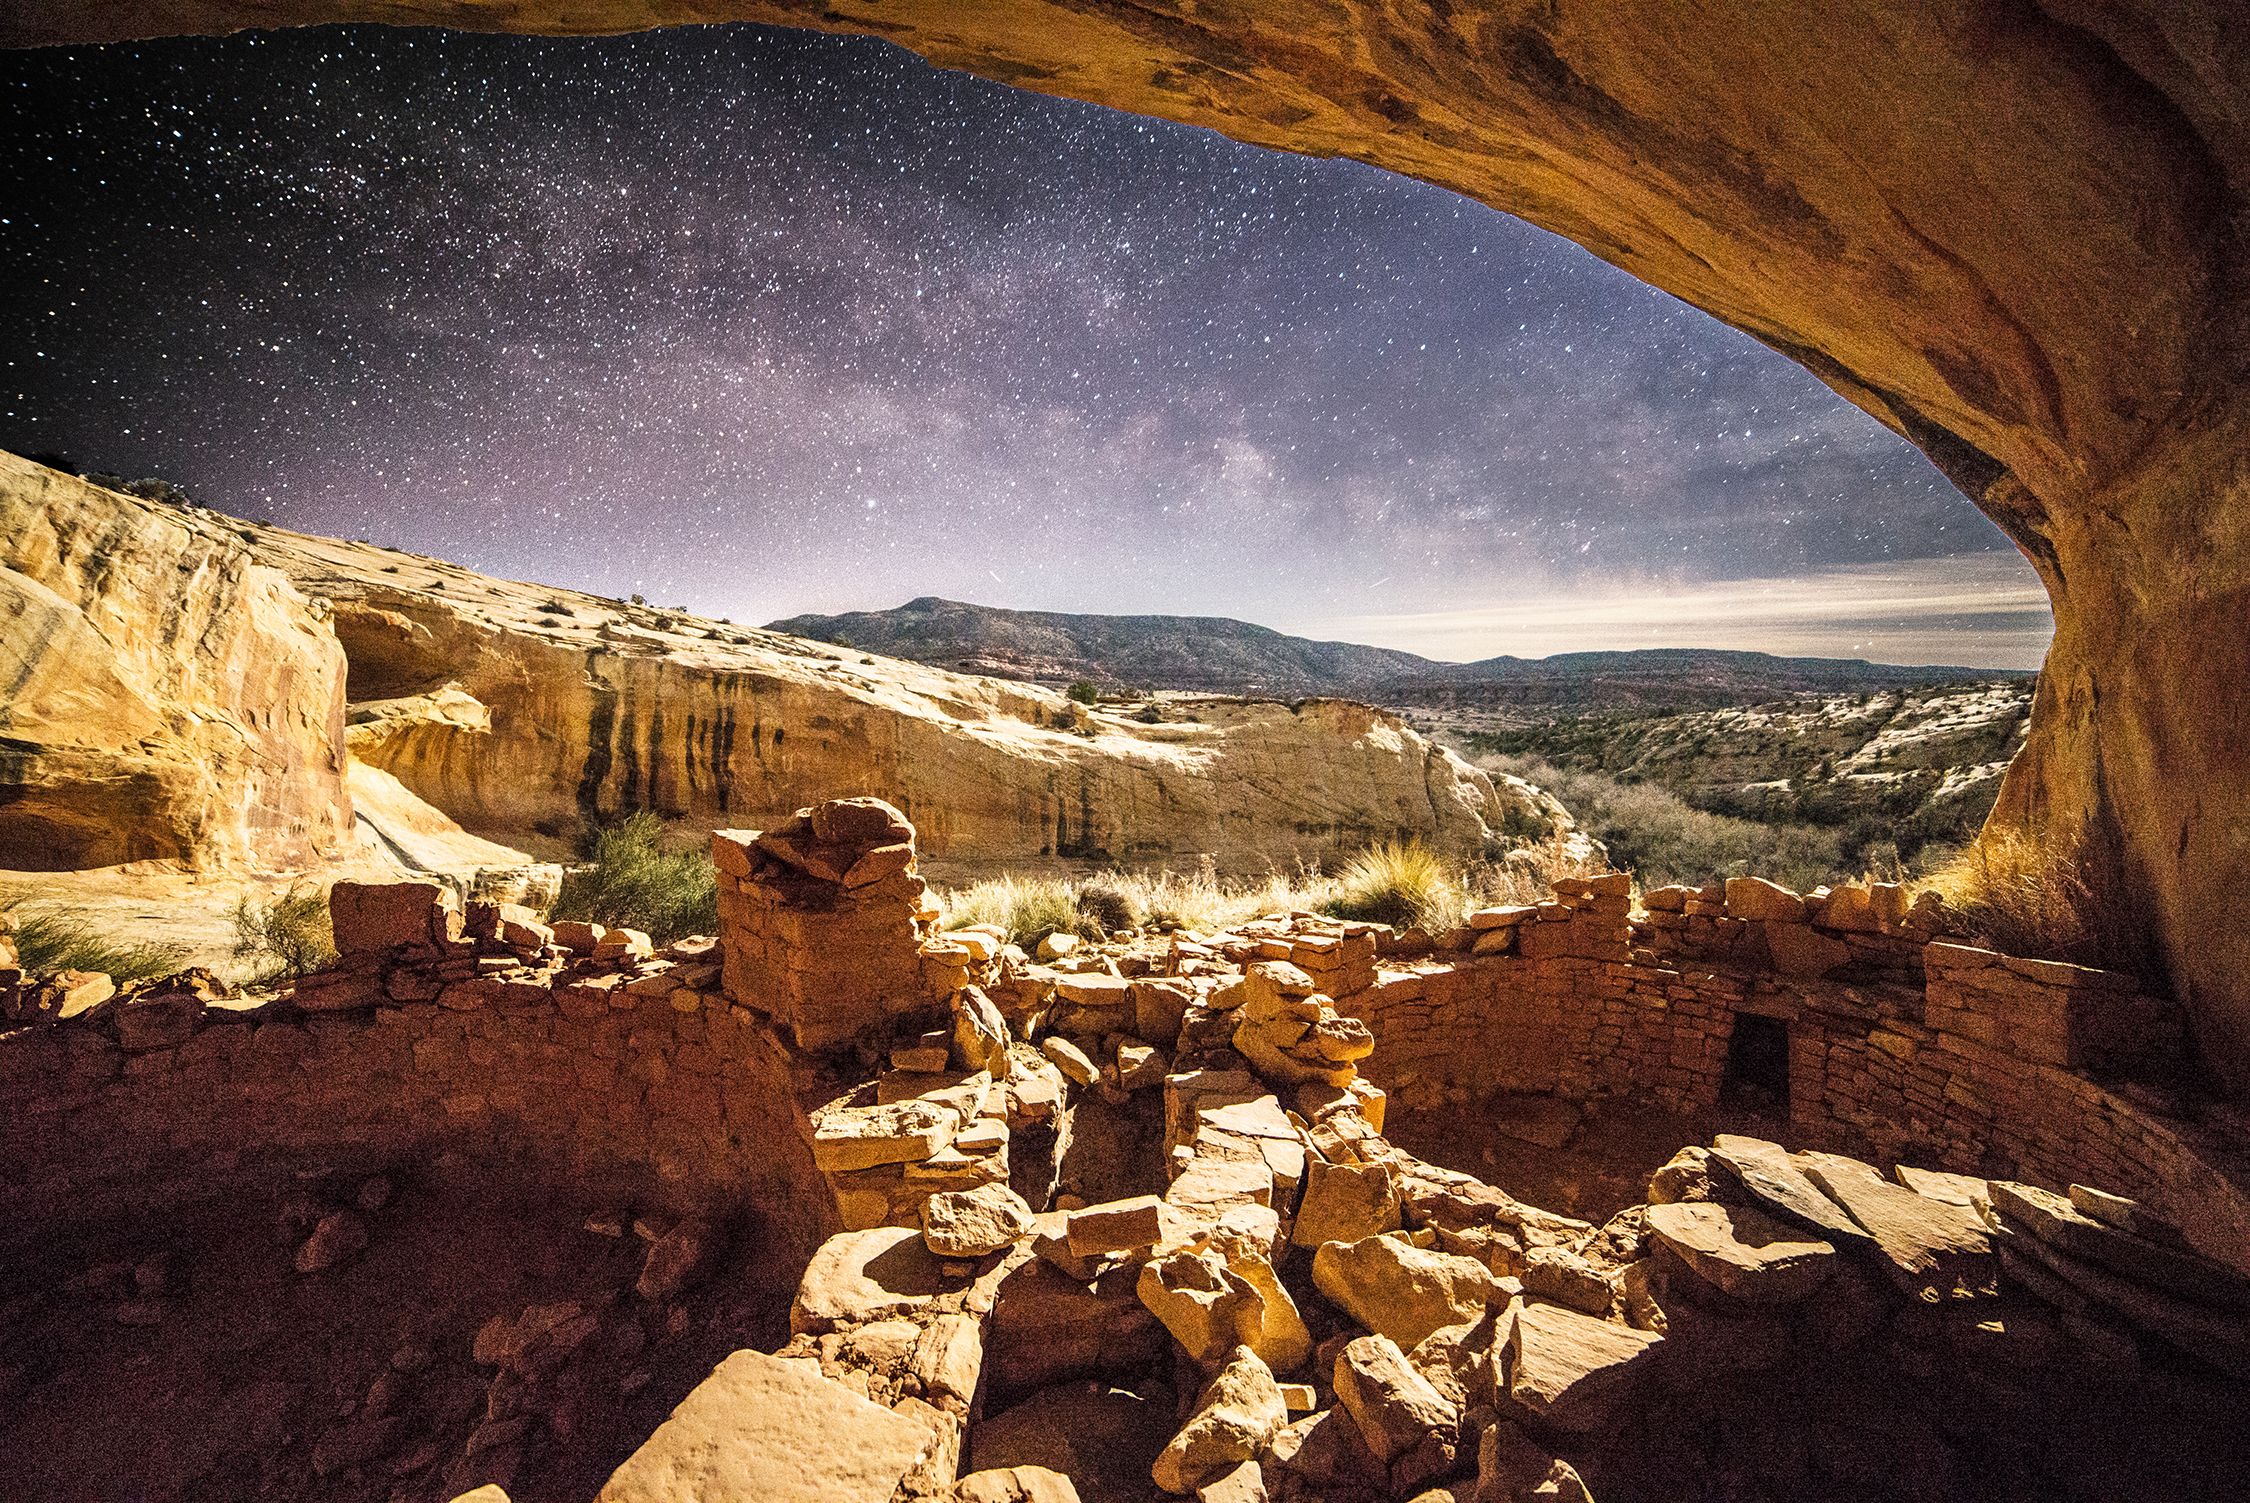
<point>761,322</point>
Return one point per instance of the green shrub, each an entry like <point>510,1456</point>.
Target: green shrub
<point>286,938</point>
<point>1083,692</point>
<point>634,879</point>
<point>1401,883</point>
<point>63,941</point>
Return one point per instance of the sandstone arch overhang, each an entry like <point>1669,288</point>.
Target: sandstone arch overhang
<point>2012,230</point>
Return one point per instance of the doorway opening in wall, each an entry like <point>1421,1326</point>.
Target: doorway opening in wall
<point>1757,1072</point>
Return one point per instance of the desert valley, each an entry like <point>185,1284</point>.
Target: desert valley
<point>469,1038</point>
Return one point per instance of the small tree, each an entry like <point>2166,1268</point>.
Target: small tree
<point>1083,692</point>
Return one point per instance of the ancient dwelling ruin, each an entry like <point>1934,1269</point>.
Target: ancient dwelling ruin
<point>1124,1223</point>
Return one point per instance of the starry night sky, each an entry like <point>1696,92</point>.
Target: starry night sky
<point>761,322</point>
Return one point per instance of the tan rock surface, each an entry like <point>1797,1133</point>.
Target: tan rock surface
<point>766,1429</point>
<point>1398,1290</point>
<point>170,698</point>
<point>601,701</point>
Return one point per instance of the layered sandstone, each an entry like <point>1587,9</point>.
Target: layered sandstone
<point>163,695</point>
<point>521,710</point>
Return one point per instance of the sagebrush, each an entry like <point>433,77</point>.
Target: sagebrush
<point>286,938</point>
<point>635,877</point>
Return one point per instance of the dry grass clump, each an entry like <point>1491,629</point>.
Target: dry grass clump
<point>2020,897</point>
<point>1402,883</point>
<point>1394,882</point>
<point>63,941</point>
<point>286,938</point>
<point>634,878</point>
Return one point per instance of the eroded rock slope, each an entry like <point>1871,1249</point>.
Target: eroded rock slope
<point>185,682</point>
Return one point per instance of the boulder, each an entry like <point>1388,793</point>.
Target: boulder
<point>1566,1370</point>
<point>857,1277</point>
<point>1402,1291</point>
<point>980,1034</point>
<point>1345,1203</point>
<point>1768,1173</point>
<point>1014,1484</point>
<point>1070,1059</point>
<point>766,1429</point>
<point>1743,1253</point>
<point>974,1223</point>
<point>1116,1226</point>
<point>1395,1407</point>
<point>1753,899</point>
<point>1244,1482</point>
<point>1104,1439</point>
<point>1208,1307</point>
<point>1238,1412</point>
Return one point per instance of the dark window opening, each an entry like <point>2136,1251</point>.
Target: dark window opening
<point>1757,1073</point>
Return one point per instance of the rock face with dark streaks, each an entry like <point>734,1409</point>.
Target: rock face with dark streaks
<point>163,696</point>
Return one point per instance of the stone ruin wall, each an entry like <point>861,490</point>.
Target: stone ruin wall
<point>699,1100</point>
<point>600,1081</point>
<point>1935,1052</point>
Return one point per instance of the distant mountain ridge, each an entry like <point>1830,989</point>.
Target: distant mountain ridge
<point>1217,654</point>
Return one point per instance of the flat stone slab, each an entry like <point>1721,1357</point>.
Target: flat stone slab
<point>766,1429</point>
<point>1743,1252</point>
<point>857,1277</point>
<point>1935,1250</point>
<point>1768,1172</point>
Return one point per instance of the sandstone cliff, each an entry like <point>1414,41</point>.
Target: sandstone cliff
<point>521,710</point>
<point>163,696</point>
<point>181,684</point>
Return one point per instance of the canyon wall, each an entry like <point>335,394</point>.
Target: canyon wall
<point>191,689</point>
<point>522,710</point>
<point>163,696</point>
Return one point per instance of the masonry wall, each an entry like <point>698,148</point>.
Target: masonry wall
<point>1936,1053</point>
<point>635,1103</point>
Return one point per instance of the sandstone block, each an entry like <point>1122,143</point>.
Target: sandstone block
<point>1070,1059</point>
<point>1396,1409</point>
<point>898,1133</point>
<point>1116,1226</point>
<point>974,1223</point>
<point>766,1429</point>
<point>1237,1413</point>
<point>1800,950</point>
<point>1933,1249</point>
<point>1402,1291</point>
<point>1756,900</point>
<point>1742,1252</point>
<point>1568,1369</point>
<point>1014,1484</point>
<point>1345,1202</point>
<point>370,917</point>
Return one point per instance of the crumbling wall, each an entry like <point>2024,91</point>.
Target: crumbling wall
<point>597,1075</point>
<point>1936,1052</point>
